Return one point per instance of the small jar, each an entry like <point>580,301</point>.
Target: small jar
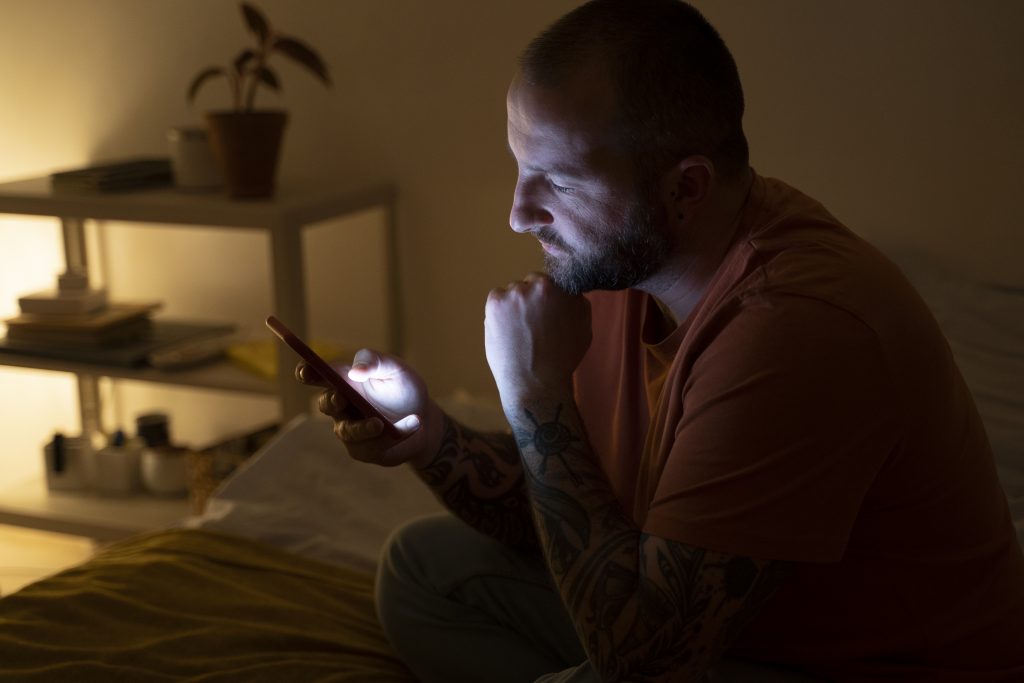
<point>68,462</point>
<point>154,429</point>
<point>117,466</point>
<point>162,464</point>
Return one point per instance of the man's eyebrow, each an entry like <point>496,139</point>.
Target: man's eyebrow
<point>560,170</point>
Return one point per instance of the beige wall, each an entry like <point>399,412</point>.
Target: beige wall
<point>903,117</point>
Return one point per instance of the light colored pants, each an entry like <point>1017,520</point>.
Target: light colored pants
<point>459,607</point>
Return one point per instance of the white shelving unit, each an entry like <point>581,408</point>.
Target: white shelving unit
<point>283,219</point>
<point>29,504</point>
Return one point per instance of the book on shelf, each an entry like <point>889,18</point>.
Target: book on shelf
<point>116,323</point>
<point>156,341</point>
<point>115,176</point>
<point>63,301</point>
<point>118,334</point>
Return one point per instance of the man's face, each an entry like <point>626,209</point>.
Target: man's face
<point>578,190</point>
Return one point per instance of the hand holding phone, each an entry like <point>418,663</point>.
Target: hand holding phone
<point>342,384</point>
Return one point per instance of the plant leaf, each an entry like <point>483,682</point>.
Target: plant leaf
<point>201,78</point>
<point>256,22</point>
<point>304,55</point>
<point>242,59</point>
<point>268,78</point>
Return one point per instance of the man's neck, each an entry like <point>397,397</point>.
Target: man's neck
<point>681,284</point>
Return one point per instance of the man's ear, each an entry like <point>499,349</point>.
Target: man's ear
<point>686,187</point>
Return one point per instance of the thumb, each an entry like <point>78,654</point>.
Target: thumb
<point>369,364</point>
<point>408,424</point>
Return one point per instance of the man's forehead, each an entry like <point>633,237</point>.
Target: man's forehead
<point>581,109</point>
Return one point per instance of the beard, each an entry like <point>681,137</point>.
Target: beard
<point>623,260</point>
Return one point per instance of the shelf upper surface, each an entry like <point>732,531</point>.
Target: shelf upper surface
<point>292,205</point>
<point>29,504</point>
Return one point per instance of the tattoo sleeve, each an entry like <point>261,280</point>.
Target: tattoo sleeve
<point>645,608</point>
<point>479,477</point>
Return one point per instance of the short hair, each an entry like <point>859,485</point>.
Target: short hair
<point>676,83</point>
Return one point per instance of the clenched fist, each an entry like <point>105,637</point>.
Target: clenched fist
<point>535,334</point>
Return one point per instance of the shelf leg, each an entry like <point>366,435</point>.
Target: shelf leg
<point>76,276</point>
<point>75,261</point>
<point>89,405</point>
<point>288,276</point>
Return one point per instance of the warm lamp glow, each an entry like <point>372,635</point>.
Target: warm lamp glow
<point>30,260</point>
<point>33,404</point>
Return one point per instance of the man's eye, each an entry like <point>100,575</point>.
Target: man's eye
<point>558,188</point>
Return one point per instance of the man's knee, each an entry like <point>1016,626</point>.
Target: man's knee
<point>435,557</point>
<point>416,560</point>
<point>414,550</point>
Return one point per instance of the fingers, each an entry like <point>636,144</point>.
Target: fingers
<point>536,276</point>
<point>529,281</point>
<point>329,402</point>
<point>355,431</point>
<point>366,441</point>
<point>367,364</point>
<point>334,406</point>
<point>306,374</point>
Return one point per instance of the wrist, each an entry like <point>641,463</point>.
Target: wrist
<point>517,397</point>
<point>434,424</point>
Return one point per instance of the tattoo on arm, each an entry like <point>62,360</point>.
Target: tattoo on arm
<point>645,608</point>
<point>480,479</point>
<point>551,440</point>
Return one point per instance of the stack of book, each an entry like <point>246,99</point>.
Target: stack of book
<point>111,325</point>
<point>77,323</point>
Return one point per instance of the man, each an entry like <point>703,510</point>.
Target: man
<point>747,439</point>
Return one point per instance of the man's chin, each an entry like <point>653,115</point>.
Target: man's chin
<point>562,274</point>
<point>576,279</point>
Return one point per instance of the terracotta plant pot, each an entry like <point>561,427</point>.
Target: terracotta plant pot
<point>247,146</point>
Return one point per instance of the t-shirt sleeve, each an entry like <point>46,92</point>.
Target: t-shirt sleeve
<point>787,417</point>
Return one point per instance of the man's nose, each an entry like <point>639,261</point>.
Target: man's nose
<point>528,212</point>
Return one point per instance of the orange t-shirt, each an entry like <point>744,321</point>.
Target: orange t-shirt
<point>809,410</point>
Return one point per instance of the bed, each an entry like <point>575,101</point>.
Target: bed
<point>274,580</point>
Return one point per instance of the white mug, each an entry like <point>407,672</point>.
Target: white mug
<point>192,159</point>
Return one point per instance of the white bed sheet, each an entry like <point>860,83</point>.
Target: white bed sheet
<point>304,494</point>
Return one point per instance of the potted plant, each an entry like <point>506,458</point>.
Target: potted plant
<point>246,141</point>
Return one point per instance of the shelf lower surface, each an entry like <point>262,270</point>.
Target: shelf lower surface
<point>217,375</point>
<point>29,504</point>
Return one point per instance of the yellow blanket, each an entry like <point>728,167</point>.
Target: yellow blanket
<point>194,605</point>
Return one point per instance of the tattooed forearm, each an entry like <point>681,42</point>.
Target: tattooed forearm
<point>645,608</point>
<point>480,479</point>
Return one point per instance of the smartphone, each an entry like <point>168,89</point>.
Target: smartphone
<point>323,368</point>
